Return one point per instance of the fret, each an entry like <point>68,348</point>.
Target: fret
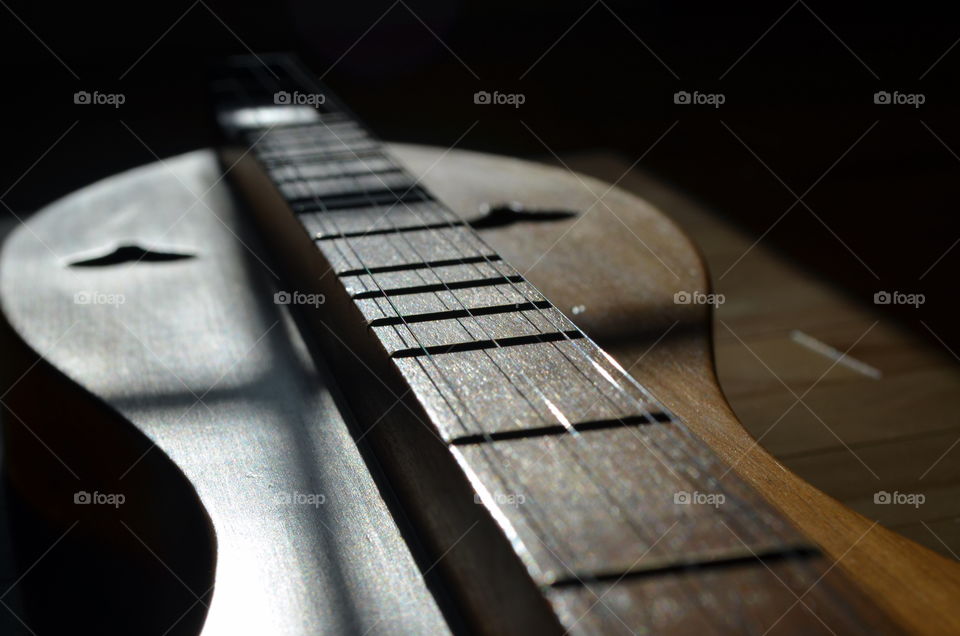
<point>416,250</point>
<point>413,306</point>
<point>480,344</point>
<point>293,141</point>
<point>565,483</point>
<point>375,163</point>
<point>458,331</point>
<point>543,313</point>
<point>378,184</point>
<point>560,429</point>
<point>498,398</point>
<point>321,150</point>
<point>379,198</point>
<point>356,222</point>
<point>390,230</point>
<point>732,598</point>
<point>420,265</point>
<point>455,276</point>
<point>436,287</point>
<point>294,138</point>
<point>285,144</point>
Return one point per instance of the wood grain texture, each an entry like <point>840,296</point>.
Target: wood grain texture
<point>629,307</point>
<point>895,421</point>
<point>305,265</point>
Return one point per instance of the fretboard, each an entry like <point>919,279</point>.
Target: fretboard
<point>587,478</point>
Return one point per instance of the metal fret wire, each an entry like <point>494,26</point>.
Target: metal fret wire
<point>573,452</point>
<point>524,314</point>
<point>420,344</point>
<point>686,434</point>
<point>793,563</point>
<point>486,448</point>
<point>466,409</point>
<point>533,521</point>
<point>577,458</point>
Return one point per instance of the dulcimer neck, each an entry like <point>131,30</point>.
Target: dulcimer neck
<point>555,492</point>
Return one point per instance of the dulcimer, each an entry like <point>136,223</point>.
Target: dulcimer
<point>523,479</point>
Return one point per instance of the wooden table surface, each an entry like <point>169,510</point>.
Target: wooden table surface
<point>883,419</point>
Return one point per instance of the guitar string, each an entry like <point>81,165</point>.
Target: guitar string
<point>373,278</point>
<point>535,522</point>
<point>523,294</point>
<point>578,460</point>
<point>421,258</point>
<point>733,519</point>
<point>575,455</point>
<point>573,452</point>
<point>807,570</point>
<point>498,289</point>
<point>586,355</point>
<point>479,323</point>
<point>685,587</point>
<point>374,206</point>
<point>517,287</point>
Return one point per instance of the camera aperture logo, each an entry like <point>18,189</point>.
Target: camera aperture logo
<point>898,298</point>
<point>84,498</point>
<point>294,498</point>
<point>896,98</point>
<point>296,98</point>
<point>884,498</point>
<point>298,298</point>
<point>88,297</point>
<point>695,498</point>
<point>698,298</point>
<point>696,98</point>
<point>97,98</point>
<point>499,99</point>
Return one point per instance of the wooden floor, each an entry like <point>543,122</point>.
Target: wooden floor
<point>880,419</point>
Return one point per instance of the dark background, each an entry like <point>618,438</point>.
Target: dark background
<point>800,96</point>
